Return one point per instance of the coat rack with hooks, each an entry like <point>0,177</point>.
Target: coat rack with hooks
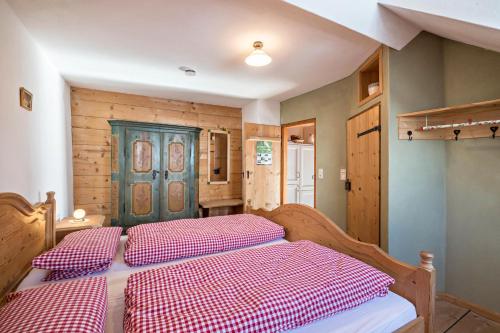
<point>467,121</point>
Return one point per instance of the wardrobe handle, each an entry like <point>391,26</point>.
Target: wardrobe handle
<point>155,172</point>
<point>166,174</point>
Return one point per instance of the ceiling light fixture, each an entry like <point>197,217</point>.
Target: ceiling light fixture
<point>258,57</point>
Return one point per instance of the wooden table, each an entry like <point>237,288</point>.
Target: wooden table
<point>221,207</point>
<point>68,225</point>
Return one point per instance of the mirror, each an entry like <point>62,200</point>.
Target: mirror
<point>218,156</point>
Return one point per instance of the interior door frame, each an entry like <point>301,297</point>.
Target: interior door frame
<point>284,152</point>
<point>366,109</point>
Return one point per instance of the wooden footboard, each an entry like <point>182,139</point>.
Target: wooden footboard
<point>417,284</point>
<point>25,231</point>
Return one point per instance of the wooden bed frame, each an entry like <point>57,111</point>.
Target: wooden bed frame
<point>416,284</point>
<point>25,231</point>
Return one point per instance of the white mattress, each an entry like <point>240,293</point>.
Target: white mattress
<point>380,315</point>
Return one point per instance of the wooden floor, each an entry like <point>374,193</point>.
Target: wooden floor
<point>451,318</point>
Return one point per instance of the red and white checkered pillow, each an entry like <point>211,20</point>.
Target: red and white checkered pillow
<point>165,241</point>
<point>270,289</point>
<point>80,253</point>
<point>72,306</point>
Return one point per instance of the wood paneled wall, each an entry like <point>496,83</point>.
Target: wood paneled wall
<point>90,112</point>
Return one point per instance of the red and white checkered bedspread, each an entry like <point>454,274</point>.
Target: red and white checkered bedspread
<point>165,241</point>
<point>72,306</point>
<point>80,253</point>
<point>270,289</point>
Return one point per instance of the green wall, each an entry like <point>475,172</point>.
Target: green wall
<point>473,182</point>
<point>417,169</point>
<point>436,195</point>
<point>331,106</point>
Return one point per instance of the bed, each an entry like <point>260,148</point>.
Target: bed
<point>27,230</point>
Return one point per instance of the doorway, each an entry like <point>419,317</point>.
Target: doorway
<point>298,162</point>
<point>363,176</point>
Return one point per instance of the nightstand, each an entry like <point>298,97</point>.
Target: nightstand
<point>67,225</point>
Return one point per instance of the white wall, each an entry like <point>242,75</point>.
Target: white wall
<point>35,147</point>
<point>262,111</point>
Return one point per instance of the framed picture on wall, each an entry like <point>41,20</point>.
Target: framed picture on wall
<point>25,99</point>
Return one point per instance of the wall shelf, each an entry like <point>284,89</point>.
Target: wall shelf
<point>370,72</point>
<point>466,121</point>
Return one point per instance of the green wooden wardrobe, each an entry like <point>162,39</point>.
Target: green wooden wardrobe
<point>154,172</point>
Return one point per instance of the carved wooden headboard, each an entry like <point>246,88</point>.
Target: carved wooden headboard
<point>25,231</point>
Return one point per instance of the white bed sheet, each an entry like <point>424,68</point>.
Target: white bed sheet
<point>380,315</point>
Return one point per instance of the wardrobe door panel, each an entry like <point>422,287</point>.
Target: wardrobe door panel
<point>176,156</point>
<point>142,201</point>
<point>175,200</point>
<point>142,154</point>
<point>142,176</point>
<point>176,195</point>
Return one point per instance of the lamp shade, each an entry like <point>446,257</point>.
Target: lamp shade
<point>258,57</point>
<point>79,214</point>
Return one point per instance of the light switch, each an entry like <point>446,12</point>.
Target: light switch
<point>320,173</point>
<point>343,174</point>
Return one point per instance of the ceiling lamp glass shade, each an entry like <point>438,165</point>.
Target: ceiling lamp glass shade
<point>258,57</point>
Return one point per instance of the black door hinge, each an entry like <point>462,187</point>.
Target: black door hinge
<point>377,128</point>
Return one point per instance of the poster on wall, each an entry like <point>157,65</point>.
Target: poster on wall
<point>264,152</point>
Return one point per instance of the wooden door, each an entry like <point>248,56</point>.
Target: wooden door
<point>262,182</point>
<point>363,173</point>
<point>142,177</point>
<point>175,203</point>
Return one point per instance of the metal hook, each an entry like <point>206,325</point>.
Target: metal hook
<point>493,129</point>
<point>456,132</point>
<point>410,137</point>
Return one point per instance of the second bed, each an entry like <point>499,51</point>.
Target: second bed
<point>382,314</point>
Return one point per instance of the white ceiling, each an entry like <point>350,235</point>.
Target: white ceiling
<point>396,22</point>
<point>137,46</point>
<point>472,22</point>
<point>365,17</point>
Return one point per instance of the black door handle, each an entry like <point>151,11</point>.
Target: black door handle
<point>155,172</point>
<point>166,174</point>
<point>347,185</point>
